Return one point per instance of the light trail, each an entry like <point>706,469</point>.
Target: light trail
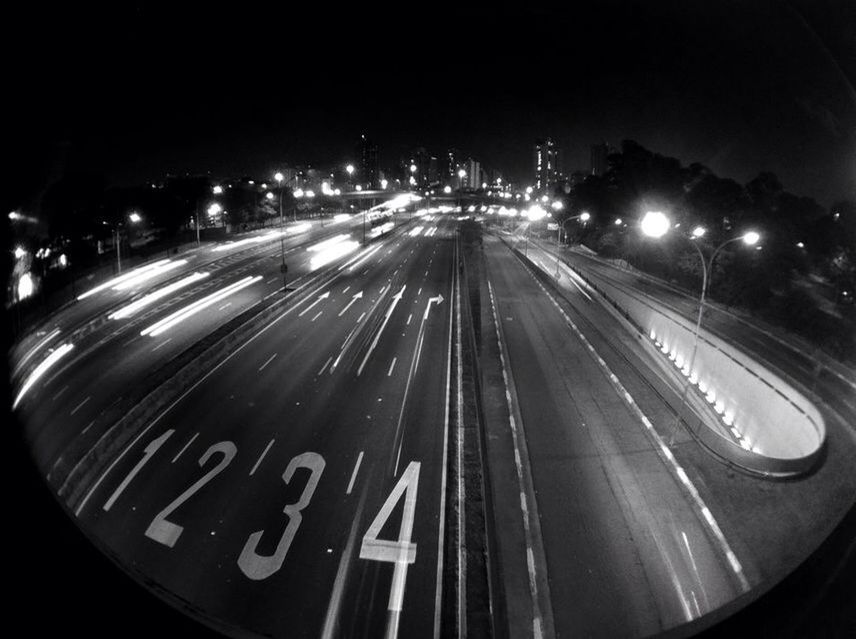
<point>147,275</point>
<point>133,307</point>
<point>332,253</point>
<point>322,246</point>
<point>38,347</point>
<point>40,370</point>
<point>272,235</point>
<point>122,278</point>
<point>188,311</point>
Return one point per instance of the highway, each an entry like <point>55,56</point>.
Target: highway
<point>304,484</point>
<point>627,550</point>
<point>308,467</point>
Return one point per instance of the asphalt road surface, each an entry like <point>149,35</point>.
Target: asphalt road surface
<point>628,550</point>
<point>297,489</point>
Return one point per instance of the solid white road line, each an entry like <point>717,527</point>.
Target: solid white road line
<point>261,457</point>
<point>354,473</point>
<point>185,447</point>
<point>80,405</point>
<point>391,366</point>
<point>269,360</point>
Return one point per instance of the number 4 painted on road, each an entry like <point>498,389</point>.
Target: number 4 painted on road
<point>401,551</point>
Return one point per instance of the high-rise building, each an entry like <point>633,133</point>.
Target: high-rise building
<point>546,164</point>
<point>367,163</point>
<point>599,158</point>
<point>473,179</point>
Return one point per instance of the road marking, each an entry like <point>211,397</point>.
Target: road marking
<point>62,390</point>
<point>392,306</point>
<point>269,360</point>
<point>391,366</point>
<point>353,299</point>
<point>80,405</point>
<point>184,448</point>
<point>262,456</point>
<point>462,543</point>
<point>316,316</point>
<point>360,318</point>
<point>272,280</point>
<point>419,292</point>
<point>438,593</point>
<point>163,343</point>
<point>345,290</point>
<point>332,617</point>
<point>409,317</point>
<point>226,305</point>
<point>326,364</point>
<point>149,451</point>
<point>323,296</point>
<point>537,620</point>
<point>83,432</point>
<point>354,473</point>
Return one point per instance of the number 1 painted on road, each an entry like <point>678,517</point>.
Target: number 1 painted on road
<point>149,450</point>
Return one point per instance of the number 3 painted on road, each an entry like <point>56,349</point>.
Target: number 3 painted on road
<point>257,566</point>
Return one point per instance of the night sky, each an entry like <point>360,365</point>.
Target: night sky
<point>133,92</point>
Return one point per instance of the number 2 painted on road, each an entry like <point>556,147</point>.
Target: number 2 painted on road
<point>166,532</point>
<point>256,566</point>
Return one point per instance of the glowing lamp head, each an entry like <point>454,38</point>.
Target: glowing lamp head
<point>447,189</point>
<point>655,224</point>
<point>751,238</point>
<point>269,195</point>
<point>699,231</point>
<point>279,177</point>
<point>585,216</point>
<point>557,205</point>
<point>350,169</point>
<point>217,190</point>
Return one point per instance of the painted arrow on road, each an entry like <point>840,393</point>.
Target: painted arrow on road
<point>323,296</point>
<point>353,299</point>
<point>438,299</point>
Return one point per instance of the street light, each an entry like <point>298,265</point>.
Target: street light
<point>217,190</point>
<point>278,176</point>
<point>583,217</point>
<point>655,224</point>
<point>134,218</point>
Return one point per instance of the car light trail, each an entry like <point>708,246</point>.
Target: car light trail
<point>38,347</point>
<point>383,228</point>
<point>188,311</point>
<point>40,370</point>
<point>333,253</point>
<point>415,231</point>
<point>133,307</point>
<point>149,274</point>
<point>250,240</point>
<point>340,217</point>
<point>122,278</point>
<point>321,246</point>
<point>362,257</point>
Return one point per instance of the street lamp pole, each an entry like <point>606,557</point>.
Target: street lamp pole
<point>706,273</point>
<point>655,224</point>
<point>118,252</point>
<point>283,268</point>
